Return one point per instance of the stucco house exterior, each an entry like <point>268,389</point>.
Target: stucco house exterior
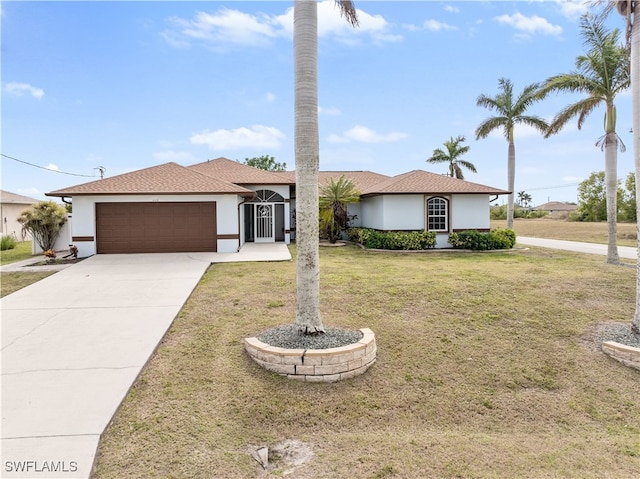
<point>11,206</point>
<point>220,204</point>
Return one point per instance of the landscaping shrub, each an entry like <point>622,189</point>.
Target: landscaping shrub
<point>500,213</point>
<point>392,240</point>
<point>7,242</point>
<point>44,220</point>
<point>474,240</point>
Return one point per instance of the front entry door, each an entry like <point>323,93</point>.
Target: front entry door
<point>264,223</point>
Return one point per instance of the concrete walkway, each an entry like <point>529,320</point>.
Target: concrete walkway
<point>74,343</point>
<point>591,248</point>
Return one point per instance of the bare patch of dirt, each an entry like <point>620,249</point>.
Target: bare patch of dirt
<point>285,458</point>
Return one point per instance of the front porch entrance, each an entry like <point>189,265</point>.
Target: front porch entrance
<point>264,218</point>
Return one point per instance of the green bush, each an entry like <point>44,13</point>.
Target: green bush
<point>474,240</point>
<point>7,242</point>
<point>392,240</point>
<point>500,213</point>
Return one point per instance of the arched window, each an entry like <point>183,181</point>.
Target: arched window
<point>437,214</point>
<point>268,196</point>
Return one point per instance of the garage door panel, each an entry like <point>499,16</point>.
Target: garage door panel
<point>156,227</point>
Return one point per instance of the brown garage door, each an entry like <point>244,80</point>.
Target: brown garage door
<point>155,227</point>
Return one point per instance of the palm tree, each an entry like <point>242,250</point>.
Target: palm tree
<point>452,156</point>
<point>630,10</point>
<point>307,153</point>
<point>601,74</point>
<point>335,197</point>
<point>524,199</point>
<point>510,112</point>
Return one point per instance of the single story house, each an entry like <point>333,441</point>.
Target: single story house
<point>557,209</point>
<point>11,206</point>
<point>220,204</point>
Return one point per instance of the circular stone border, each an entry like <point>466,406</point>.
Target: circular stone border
<point>316,365</point>
<point>627,355</point>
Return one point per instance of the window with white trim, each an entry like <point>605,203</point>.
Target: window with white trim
<point>437,214</point>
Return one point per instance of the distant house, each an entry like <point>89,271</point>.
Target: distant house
<point>11,206</point>
<point>557,209</point>
<point>220,204</point>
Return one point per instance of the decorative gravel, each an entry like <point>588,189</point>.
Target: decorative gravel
<point>618,332</point>
<point>287,336</point>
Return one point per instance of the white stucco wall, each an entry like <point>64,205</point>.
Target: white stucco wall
<point>84,215</point>
<point>393,212</point>
<point>470,212</point>
<point>372,209</point>
<point>9,213</point>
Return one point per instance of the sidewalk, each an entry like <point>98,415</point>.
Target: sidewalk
<point>626,252</point>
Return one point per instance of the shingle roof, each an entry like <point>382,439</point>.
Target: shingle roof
<point>361,179</point>
<point>8,197</point>
<point>420,182</point>
<point>168,178</point>
<point>239,173</point>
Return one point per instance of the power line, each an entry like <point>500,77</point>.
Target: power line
<point>45,168</point>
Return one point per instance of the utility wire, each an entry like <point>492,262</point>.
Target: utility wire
<point>45,168</point>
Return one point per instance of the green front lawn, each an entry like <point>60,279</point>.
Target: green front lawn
<point>483,371</point>
<point>20,252</point>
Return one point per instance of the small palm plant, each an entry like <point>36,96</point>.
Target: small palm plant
<point>335,197</point>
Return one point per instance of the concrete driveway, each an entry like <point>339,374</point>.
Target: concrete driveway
<point>74,343</point>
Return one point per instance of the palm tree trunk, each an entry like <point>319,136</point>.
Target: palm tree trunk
<point>611,182</point>
<point>635,100</point>
<point>307,151</point>
<point>511,176</point>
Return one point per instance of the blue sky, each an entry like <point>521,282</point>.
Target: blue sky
<point>128,85</point>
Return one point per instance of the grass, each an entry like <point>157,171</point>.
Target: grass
<point>482,372</point>
<point>20,252</point>
<point>10,282</point>
<point>570,230</point>
<point>13,281</point>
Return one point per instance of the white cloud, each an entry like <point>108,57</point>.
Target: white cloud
<point>175,156</point>
<point>331,111</point>
<point>451,9</point>
<point>436,26</point>
<point>529,25</point>
<point>270,97</point>
<point>227,27</point>
<point>363,134</point>
<point>19,89</point>
<point>572,9</point>
<point>258,136</point>
<point>430,25</point>
<point>53,167</point>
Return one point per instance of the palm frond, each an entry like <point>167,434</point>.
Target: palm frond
<point>349,12</point>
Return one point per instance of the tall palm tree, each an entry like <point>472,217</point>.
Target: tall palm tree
<point>455,150</point>
<point>601,74</point>
<point>335,197</point>
<point>307,153</point>
<point>630,9</point>
<point>510,112</point>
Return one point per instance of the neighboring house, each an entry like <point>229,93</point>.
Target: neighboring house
<point>220,204</point>
<point>11,206</point>
<point>557,209</point>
